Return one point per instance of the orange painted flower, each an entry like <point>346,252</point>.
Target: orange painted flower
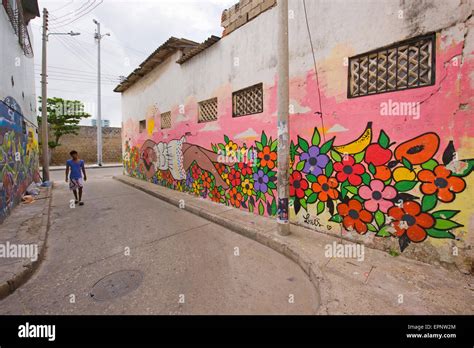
<point>206,180</point>
<point>216,195</point>
<point>354,217</point>
<point>409,220</point>
<point>440,182</point>
<point>235,197</point>
<point>267,157</point>
<point>325,188</point>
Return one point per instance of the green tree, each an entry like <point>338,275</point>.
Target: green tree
<point>63,118</point>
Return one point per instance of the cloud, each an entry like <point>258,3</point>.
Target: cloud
<point>249,133</point>
<point>211,127</point>
<point>337,128</point>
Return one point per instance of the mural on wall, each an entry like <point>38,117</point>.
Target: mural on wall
<point>378,187</point>
<point>365,185</point>
<point>240,176</point>
<point>18,156</point>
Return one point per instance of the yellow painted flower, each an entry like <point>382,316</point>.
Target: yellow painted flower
<point>231,148</point>
<point>247,187</point>
<point>402,173</point>
<point>196,187</point>
<point>159,175</point>
<point>225,177</point>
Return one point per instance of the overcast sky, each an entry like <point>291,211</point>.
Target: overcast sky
<point>136,27</point>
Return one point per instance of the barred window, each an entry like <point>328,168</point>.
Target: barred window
<point>248,101</point>
<point>142,126</point>
<point>207,110</point>
<point>166,120</point>
<point>404,65</point>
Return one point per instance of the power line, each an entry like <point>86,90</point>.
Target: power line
<point>82,15</point>
<point>75,71</point>
<point>74,13</point>
<point>64,6</point>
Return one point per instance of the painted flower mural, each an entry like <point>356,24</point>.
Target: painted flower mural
<point>367,186</point>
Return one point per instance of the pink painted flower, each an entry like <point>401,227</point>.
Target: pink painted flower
<point>377,196</point>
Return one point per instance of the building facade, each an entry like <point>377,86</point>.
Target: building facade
<point>380,120</point>
<point>18,126</point>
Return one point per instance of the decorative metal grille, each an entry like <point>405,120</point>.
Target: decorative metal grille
<point>166,120</point>
<point>15,14</point>
<point>248,101</point>
<point>208,110</point>
<point>408,64</point>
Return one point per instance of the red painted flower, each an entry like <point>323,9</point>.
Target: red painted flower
<point>325,188</point>
<point>347,169</point>
<point>267,157</point>
<point>440,182</point>
<point>216,195</point>
<point>245,168</point>
<point>409,220</point>
<point>195,171</point>
<point>297,185</point>
<point>206,180</point>
<point>220,167</point>
<point>354,217</point>
<point>235,197</point>
<point>234,177</point>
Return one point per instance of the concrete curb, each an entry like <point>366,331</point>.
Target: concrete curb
<point>29,267</point>
<point>273,241</point>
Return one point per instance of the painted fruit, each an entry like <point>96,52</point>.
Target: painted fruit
<point>402,174</point>
<point>377,155</point>
<point>382,173</point>
<point>418,150</point>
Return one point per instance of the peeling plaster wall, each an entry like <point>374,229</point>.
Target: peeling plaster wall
<point>339,29</point>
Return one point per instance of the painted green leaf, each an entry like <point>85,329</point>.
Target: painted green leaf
<point>270,192</point>
<point>384,140</point>
<point>221,146</point>
<point>264,139</point>
<point>274,207</point>
<point>366,178</point>
<point>430,165</point>
<point>407,163</point>
<point>359,157</point>
<point>445,214</point>
<point>379,218</point>
<point>308,192</point>
<point>226,139</point>
<point>336,218</point>
<point>435,233</point>
<point>383,232</point>
<point>327,146</point>
<point>312,198</point>
<point>467,170</point>
<point>405,185</point>
<point>311,178</point>
<point>329,169</point>
<point>371,228</point>
<point>259,145</point>
<point>316,138</point>
<point>320,207</point>
<point>372,169</point>
<point>303,144</point>
<point>444,225</point>
<point>251,206</point>
<point>358,198</point>
<point>274,145</point>
<point>300,165</point>
<point>352,189</point>
<point>271,185</point>
<point>336,156</point>
<point>428,202</point>
<point>303,204</point>
<point>293,151</point>
<point>261,209</point>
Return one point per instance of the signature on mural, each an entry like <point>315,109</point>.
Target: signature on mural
<point>365,185</point>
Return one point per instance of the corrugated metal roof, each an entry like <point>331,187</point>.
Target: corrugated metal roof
<point>198,49</point>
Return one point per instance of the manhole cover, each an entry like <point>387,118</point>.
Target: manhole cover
<point>116,284</point>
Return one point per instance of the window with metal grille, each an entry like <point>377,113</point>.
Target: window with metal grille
<point>166,120</point>
<point>207,110</point>
<point>142,126</point>
<point>404,65</point>
<point>247,101</point>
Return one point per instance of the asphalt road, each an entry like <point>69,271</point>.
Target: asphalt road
<point>187,265</point>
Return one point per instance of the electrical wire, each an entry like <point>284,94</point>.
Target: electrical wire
<point>82,15</point>
<point>315,70</point>
<point>76,12</point>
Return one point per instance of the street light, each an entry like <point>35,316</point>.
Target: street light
<point>99,37</point>
<point>44,94</point>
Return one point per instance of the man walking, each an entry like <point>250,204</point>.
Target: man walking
<point>76,166</point>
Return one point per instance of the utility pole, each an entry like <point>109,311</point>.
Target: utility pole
<point>44,94</point>
<point>283,120</point>
<point>44,101</point>
<point>99,37</point>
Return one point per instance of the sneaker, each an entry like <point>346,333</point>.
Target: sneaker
<point>81,203</point>
<point>75,202</point>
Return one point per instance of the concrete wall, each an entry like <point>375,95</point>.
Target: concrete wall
<point>18,127</point>
<point>420,218</point>
<point>85,143</point>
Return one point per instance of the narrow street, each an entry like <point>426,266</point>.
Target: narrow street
<point>188,265</point>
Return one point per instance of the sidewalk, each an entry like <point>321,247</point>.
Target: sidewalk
<point>28,224</point>
<point>380,284</point>
<point>88,166</point>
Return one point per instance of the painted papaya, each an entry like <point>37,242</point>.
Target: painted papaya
<point>418,150</point>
